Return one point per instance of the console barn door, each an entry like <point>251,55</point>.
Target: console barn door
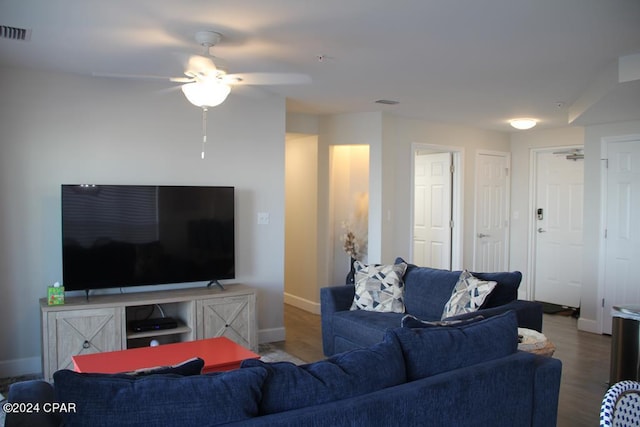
<point>232,317</point>
<point>74,332</point>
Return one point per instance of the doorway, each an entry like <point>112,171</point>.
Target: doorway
<point>436,211</point>
<point>556,228</point>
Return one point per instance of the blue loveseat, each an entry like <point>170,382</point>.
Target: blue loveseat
<point>426,291</point>
<point>466,375</point>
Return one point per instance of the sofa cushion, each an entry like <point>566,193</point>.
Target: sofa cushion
<point>344,375</point>
<point>468,295</point>
<point>379,287</point>
<point>109,400</point>
<point>364,327</point>
<point>411,321</point>
<point>191,366</point>
<point>429,351</point>
<point>506,289</point>
<point>427,290</point>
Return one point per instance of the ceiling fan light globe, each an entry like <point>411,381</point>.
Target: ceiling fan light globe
<point>206,94</point>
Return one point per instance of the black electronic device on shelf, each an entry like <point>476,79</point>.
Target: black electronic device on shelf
<point>154,324</point>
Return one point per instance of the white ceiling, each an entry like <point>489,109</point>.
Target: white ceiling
<point>469,62</point>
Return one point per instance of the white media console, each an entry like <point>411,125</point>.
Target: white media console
<point>99,324</point>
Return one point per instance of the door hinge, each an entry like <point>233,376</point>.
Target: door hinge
<point>605,233</point>
<point>452,168</point>
<point>602,302</point>
<point>451,224</point>
<point>506,171</point>
<point>606,163</point>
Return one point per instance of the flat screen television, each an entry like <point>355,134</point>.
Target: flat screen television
<point>130,235</point>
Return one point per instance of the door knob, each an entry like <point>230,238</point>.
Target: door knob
<point>480,235</point>
<point>541,230</point>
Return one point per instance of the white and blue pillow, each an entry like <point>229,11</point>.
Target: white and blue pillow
<point>379,288</point>
<point>468,295</point>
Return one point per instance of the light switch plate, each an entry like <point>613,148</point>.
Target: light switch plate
<point>263,218</point>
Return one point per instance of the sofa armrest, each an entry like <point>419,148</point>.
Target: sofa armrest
<point>336,298</point>
<point>546,389</point>
<point>529,313</point>
<point>36,392</point>
<point>332,300</point>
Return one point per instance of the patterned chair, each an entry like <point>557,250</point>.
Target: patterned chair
<point>621,405</point>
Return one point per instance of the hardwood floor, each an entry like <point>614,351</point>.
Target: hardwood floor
<point>585,361</point>
<point>585,370</point>
<point>304,334</point>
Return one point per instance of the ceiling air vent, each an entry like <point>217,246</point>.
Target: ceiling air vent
<point>15,33</point>
<point>386,102</point>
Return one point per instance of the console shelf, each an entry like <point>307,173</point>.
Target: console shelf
<point>82,326</point>
<point>181,329</point>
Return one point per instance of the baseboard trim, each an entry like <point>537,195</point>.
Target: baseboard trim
<point>302,303</point>
<point>271,335</point>
<point>589,325</point>
<point>18,367</point>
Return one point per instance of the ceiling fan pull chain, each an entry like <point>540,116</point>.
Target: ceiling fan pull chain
<point>204,129</point>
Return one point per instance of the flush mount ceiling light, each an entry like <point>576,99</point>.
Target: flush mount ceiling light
<point>523,124</point>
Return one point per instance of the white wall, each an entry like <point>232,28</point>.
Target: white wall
<point>522,144</point>
<point>62,128</point>
<point>344,129</point>
<point>349,203</point>
<point>301,219</point>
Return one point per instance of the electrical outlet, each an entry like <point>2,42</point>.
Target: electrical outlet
<point>263,218</point>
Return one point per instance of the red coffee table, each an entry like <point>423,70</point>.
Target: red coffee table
<point>219,354</point>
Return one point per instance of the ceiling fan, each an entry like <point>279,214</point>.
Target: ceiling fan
<point>206,85</point>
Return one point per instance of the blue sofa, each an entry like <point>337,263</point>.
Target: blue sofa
<point>426,291</point>
<point>466,375</point>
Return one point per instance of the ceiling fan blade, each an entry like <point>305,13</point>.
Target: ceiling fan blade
<point>200,64</point>
<point>134,76</point>
<point>266,79</point>
<point>182,79</point>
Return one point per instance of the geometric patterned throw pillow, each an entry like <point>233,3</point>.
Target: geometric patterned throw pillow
<point>468,295</point>
<point>379,288</point>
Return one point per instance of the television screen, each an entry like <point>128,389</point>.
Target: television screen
<point>129,235</point>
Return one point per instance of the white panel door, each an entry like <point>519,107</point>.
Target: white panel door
<point>432,210</point>
<point>558,223</point>
<point>622,243</point>
<point>492,212</point>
